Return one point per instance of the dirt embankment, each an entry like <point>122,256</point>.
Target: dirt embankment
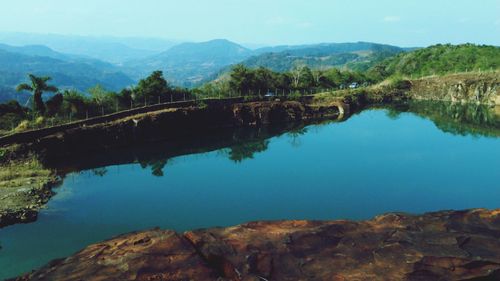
<point>483,88</point>
<point>174,123</point>
<point>448,245</point>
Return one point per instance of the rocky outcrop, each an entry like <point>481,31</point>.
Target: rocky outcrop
<point>449,245</point>
<point>470,88</point>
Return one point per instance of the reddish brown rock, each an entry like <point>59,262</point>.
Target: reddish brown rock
<point>449,245</point>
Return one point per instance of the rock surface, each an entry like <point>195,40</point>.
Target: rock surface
<point>448,245</point>
<point>481,88</point>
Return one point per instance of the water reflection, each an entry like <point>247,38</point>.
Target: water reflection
<point>454,118</point>
<point>356,169</point>
<point>242,144</point>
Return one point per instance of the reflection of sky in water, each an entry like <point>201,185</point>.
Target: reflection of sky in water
<point>369,165</point>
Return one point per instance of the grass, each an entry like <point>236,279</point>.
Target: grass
<point>25,172</point>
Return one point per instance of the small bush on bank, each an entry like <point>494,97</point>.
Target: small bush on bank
<point>23,126</point>
<point>400,83</point>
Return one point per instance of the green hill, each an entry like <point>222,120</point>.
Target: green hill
<point>66,71</point>
<point>355,56</point>
<point>189,64</point>
<point>441,59</point>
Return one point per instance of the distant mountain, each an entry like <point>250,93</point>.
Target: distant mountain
<point>67,71</point>
<point>441,59</point>
<point>110,49</point>
<point>355,56</point>
<point>34,50</point>
<point>188,64</point>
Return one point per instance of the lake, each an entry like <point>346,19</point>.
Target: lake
<point>412,158</point>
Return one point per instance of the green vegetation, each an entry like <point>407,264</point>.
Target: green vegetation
<point>24,188</point>
<point>70,105</point>
<point>37,86</point>
<point>438,60</point>
<point>244,81</point>
<point>66,71</point>
<point>19,173</point>
<point>298,80</point>
<point>348,56</point>
<point>456,118</point>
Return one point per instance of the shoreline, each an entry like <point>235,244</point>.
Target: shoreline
<point>176,122</point>
<point>451,245</point>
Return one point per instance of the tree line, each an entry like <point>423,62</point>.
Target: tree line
<point>69,104</point>
<point>245,81</point>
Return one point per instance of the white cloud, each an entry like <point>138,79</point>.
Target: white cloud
<point>392,19</point>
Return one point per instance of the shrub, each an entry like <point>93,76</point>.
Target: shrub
<point>401,84</point>
<point>23,126</point>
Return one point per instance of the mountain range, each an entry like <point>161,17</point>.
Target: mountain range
<point>116,63</point>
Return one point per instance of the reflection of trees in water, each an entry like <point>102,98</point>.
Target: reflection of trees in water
<point>246,150</point>
<point>454,118</point>
<point>241,144</point>
<point>156,166</point>
<point>100,172</point>
<point>295,135</point>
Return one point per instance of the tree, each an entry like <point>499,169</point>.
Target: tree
<point>306,80</point>
<point>297,72</point>
<point>54,104</point>
<point>241,79</point>
<point>100,96</point>
<point>74,103</point>
<point>153,86</point>
<point>37,87</point>
<point>263,80</point>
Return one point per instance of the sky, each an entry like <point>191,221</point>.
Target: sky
<point>267,22</point>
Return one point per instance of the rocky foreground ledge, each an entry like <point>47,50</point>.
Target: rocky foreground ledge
<point>448,245</point>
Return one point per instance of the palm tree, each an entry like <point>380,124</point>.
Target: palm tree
<point>37,87</point>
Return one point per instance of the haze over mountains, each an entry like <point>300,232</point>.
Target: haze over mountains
<point>115,63</point>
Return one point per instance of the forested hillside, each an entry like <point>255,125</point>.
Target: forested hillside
<point>442,59</point>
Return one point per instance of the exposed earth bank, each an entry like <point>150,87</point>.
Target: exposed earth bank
<point>483,88</point>
<point>171,124</point>
<point>447,245</point>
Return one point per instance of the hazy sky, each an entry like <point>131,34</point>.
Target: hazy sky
<point>400,22</point>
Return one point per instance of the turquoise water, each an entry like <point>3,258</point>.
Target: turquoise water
<point>377,161</point>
